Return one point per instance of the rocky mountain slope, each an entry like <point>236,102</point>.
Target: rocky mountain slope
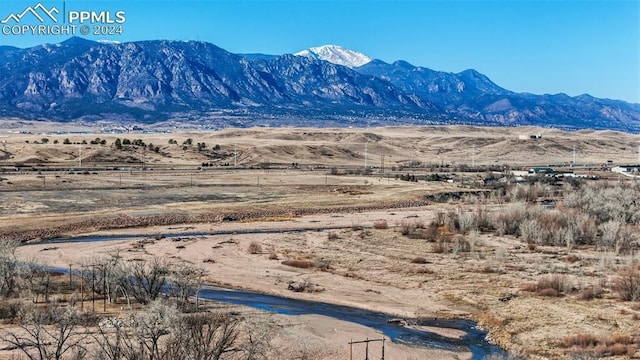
<point>152,81</point>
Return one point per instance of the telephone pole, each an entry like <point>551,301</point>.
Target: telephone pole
<point>473,155</point>
<point>366,342</point>
<point>366,151</point>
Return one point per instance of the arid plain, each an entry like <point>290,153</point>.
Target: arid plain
<point>331,209</point>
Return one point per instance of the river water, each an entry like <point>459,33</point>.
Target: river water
<point>474,340</point>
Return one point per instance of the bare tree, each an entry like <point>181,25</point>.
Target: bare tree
<point>113,340</point>
<point>627,284</point>
<point>10,269</point>
<point>142,280</point>
<point>204,336</point>
<point>185,280</point>
<point>156,322</point>
<point>257,331</point>
<point>48,333</point>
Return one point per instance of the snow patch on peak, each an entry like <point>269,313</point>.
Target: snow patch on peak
<point>337,55</point>
<point>108,42</point>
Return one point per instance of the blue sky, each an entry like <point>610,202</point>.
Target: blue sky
<point>544,46</point>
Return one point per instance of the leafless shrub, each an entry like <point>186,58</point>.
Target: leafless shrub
<point>322,264</point>
<point>484,219</point>
<point>440,219</point>
<point>528,192</point>
<point>254,248</point>
<point>10,309</point>
<point>423,270</point>
<point>406,227</point>
<point>558,282</point>
<point>417,230</point>
<point>48,333</point>
<point>609,235</point>
<point>625,240</point>
<point>452,221</point>
<point>607,202</point>
<point>508,221</point>
<point>586,229</point>
<point>380,225</point>
<point>627,283</point>
<point>299,263</point>
<point>473,237</point>
<point>430,233</point>
<point>620,338</point>
<point>440,247</point>
<point>579,340</point>
<point>590,293</point>
<point>467,222</point>
<point>591,346</point>
<point>461,244</point>
<point>548,292</point>
<point>531,231</point>
<point>487,269</point>
<point>332,236</point>
<point>419,260</point>
<point>273,256</point>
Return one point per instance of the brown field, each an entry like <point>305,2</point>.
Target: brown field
<point>308,187</point>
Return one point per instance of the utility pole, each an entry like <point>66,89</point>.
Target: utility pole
<point>80,155</point>
<point>82,288</point>
<point>366,151</point>
<point>93,288</point>
<point>235,156</point>
<point>366,342</point>
<point>104,288</point>
<point>574,154</point>
<point>473,155</point>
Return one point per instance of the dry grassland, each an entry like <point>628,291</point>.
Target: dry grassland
<point>285,218</point>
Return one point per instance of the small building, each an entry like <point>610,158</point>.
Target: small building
<point>544,170</point>
<point>626,168</point>
<point>530,137</point>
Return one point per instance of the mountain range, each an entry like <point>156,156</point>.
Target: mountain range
<point>155,81</point>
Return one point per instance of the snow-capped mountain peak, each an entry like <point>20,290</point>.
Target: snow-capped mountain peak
<point>337,55</point>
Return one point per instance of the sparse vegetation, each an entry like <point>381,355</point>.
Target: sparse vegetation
<point>299,263</point>
<point>254,248</point>
<point>380,224</point>
<point>484,244</point>
<point>627,283</point>
<point>590,344</point>
<point>551,285</point>
<point>419,260</point>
